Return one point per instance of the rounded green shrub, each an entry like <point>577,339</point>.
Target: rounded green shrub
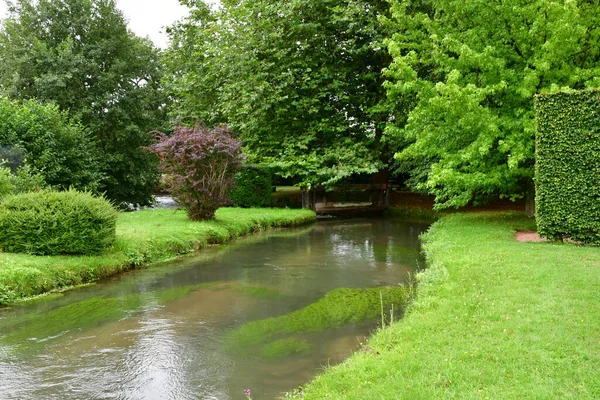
<point>51,223</point>
<point>253,187</point>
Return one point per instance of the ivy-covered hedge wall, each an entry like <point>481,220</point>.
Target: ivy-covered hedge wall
<point>568,165</point>
<point>253,187</point>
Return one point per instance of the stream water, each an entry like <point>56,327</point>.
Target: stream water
<point>160,333</point>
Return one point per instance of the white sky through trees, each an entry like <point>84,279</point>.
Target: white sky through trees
<point>146,17</point>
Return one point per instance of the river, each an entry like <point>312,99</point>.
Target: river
<point>161,332</point>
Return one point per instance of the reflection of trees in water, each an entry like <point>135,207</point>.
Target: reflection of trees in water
<point>378,242</point>
<point>347,253</point>
<point>158,331</point>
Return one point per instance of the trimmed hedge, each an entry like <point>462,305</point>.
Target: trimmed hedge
<point>253,187</point>
<point>568,165</point>
<point>52,223</point>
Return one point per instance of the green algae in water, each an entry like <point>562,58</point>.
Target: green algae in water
<point>338,307</point>
<point>86,314</point>
<point>95,311</point>
<point>284,348</point>
<point>73,316</point>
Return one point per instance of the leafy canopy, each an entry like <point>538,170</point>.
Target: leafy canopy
<point>46,142</point>
<point>465,73</point>
<point>80,55</point>
<point>299,80</point>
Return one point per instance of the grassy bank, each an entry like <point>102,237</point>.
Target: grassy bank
<point>493,318</point>
<point>142,238</point>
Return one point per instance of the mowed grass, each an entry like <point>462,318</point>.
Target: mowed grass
<point>493,319</point>
<point>143,237</point>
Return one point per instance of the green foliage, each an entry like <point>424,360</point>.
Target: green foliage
<point>6,181</point>
<point>286,200</point>
<point>27,180</point>
<point>338,307</point>
<point>253,187</point>
<point>51,223</point>
<point>80,55</point>
<point>23,181</point>
<point>464,74</point>
<point>299,80</point>
<point>568,164</point>
<point>287,197</point>
<point>47,142</point>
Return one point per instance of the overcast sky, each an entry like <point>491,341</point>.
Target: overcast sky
<point>146,17</point>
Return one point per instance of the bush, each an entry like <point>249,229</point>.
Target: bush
<point>22,181</point>
<point>51,223</point>
<point>201,163</point>
<point>6,181</point>
<point>53,145</point>
<point>568,166</point>
<point>286,199</point>
<point>253,187</point>
<point>27,180</point>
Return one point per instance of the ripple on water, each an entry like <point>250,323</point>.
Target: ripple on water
<point>158,333</point>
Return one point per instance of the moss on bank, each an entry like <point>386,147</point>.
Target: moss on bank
<point>143,238</point>
<point>493,318</point>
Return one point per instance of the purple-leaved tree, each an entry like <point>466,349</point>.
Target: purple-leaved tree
<point>200,163</point>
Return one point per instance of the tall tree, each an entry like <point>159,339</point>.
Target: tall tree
<point>466,73</point>
<point>80,55</point>
<point>45,141</point>
<point>299,80</point>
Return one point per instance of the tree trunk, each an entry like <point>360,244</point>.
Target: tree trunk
<point>530,199</point>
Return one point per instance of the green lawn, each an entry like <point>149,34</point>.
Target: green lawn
<point>493,319</point>
<point>143,237</point>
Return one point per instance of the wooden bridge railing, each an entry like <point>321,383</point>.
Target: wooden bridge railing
<point>347,198</point>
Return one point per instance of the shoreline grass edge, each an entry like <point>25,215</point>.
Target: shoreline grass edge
<point>143,238</point>
<point>492,318</point>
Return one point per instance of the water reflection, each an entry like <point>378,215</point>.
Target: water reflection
<point>157,334</point>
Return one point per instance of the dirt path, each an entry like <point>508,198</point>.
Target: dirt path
<point>529,236</point>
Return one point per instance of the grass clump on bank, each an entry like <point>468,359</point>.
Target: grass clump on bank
<point>493,318</point>
<point>142,238</point>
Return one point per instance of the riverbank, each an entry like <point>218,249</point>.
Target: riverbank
<point>143,237</point>
<point>493,318</point>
